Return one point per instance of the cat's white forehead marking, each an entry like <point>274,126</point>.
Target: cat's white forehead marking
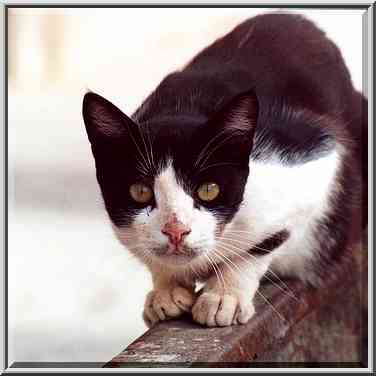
<point>171,197</point>
<point>173,202</point>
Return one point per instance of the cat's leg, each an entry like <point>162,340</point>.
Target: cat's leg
<point>171,296</point>
<point>227,297</point>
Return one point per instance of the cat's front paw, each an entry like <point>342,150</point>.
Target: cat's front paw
<point>214,309</point>
<point>165,304</point>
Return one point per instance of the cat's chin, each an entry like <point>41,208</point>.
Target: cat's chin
<point>176,258</point>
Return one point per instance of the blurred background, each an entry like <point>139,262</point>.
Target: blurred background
<point>75,294</point>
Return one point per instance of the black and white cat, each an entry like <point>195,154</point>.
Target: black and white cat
<point>251,159</point>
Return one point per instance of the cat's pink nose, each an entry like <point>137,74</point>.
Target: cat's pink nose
<point>175,230</point>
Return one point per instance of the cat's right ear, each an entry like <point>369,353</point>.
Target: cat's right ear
<point>103,120</point>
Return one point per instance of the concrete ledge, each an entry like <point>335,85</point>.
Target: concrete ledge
<point>319,327</point>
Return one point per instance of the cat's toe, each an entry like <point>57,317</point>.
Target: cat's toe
<point>205,309</point>
<point>183,298</point>
<point>149,315</point>
<point>226,310</point>
<point>244,312</point>
<point>164,305</point>
<point>160,306</point>
<point>212,309</point>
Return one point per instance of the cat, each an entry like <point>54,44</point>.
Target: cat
<point>249,161</point>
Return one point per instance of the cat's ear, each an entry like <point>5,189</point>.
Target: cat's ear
<point>103,120</point>
<point>239,116</point>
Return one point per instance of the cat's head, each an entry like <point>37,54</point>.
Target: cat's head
<point>172,184</point>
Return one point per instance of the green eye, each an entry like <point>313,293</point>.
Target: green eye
<point>208,191</point>
<point>141,193</point>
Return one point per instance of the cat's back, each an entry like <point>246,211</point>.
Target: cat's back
<point>279,55</point>
<point>272,38</point>
<point>283,57</point>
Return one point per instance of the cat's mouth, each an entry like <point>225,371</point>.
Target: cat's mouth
<point>179,254</point>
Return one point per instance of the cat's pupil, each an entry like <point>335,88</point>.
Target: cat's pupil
<point>141,193</point>
<point>208,191</point>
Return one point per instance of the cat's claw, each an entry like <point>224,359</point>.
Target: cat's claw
<point>213,309</point>
<point>165,304</point>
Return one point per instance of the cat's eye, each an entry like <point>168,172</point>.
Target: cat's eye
<point>208,191</point>
<point>141,193</point>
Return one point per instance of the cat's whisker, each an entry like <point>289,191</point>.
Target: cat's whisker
<point>247,235</point>
<point>240,254</point>
<point>251,243</point>
<point>270,271</point>
<point>250,263</point>
<point>222,277</point>
<point>231,230</point>
<point>138,149</point>
<point>224,257</point>
<point>240,272</point>
<point>204,149</point>
<point>271,305</point>
<point>224,247</point>
<point>199,157</point>
<point>146,149</point>
<point>212,263</point>
<point>241,251</point>
<point>216,165</point>
<point>246,242</point>
<point>248,245</point>
<point>254,257</point>
<point>212,150</point>
<point>257,291</point>
<point>141,168</point>
<point>151,147</point>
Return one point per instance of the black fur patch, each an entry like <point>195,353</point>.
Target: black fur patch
<point>301,84</point>
<point>270,244</point>
<point>200,151</point>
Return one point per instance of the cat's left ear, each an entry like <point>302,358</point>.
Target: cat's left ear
<point>238,117</point>
<point>104,121</point>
